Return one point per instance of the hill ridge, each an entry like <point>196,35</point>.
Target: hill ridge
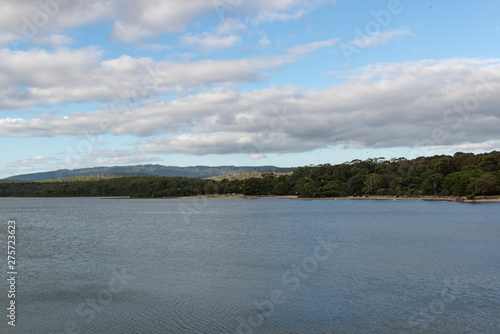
<point>199,171</point>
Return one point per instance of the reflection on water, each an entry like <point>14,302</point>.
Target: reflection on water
<point>254,266</point>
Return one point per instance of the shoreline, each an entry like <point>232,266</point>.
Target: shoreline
<point>482,199</point>
<point>374,197</point>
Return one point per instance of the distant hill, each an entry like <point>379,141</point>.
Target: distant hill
<point>96,177</point>
<point>149,170</point>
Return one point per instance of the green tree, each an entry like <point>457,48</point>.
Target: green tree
<point>483,184</point>
<point>460,184</point>
<point>373,182</point>
<point>433,182</point>
<point>355,184</point>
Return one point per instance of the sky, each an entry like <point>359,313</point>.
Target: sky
<point>88,83</point>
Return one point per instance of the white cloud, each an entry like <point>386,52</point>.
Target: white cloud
<point>131,32</point>
<point>229,26</point>
<point>283,17</point>
<point>136,20</point>
<point>115,157</point>
<point>264,42</point>
<point>312,47</point>
<point>36,160</point>
<point>35,20</point>
<point>39,77</point>
<point>148,18</point>
<point>485,146</point>
<point>71,159</point>
<point>27,165</point>
<point>209,42</point>
<point>423,103</point>
<point>257,156</point>
<point>55,40</point>
<point>8,37</point>
<point>285,10</point>
<point>155,47</point>
<point>380,38</point>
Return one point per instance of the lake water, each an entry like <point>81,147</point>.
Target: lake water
<point>122,266</point>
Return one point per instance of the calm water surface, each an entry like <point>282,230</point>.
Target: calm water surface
<point>253,266</point>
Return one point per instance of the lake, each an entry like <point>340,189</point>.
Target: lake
<point>90,265</point>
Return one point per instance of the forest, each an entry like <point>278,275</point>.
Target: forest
<point>463,174</point>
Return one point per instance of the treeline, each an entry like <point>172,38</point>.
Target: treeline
<point>137,186</point>
<point>463,174</point>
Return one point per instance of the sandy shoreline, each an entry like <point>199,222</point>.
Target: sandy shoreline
<point>424,198</point>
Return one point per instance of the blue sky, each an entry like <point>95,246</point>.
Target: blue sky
<point>236,82</point>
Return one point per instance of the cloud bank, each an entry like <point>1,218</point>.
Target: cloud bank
<point>136,20</point>
<point>421,103</point>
